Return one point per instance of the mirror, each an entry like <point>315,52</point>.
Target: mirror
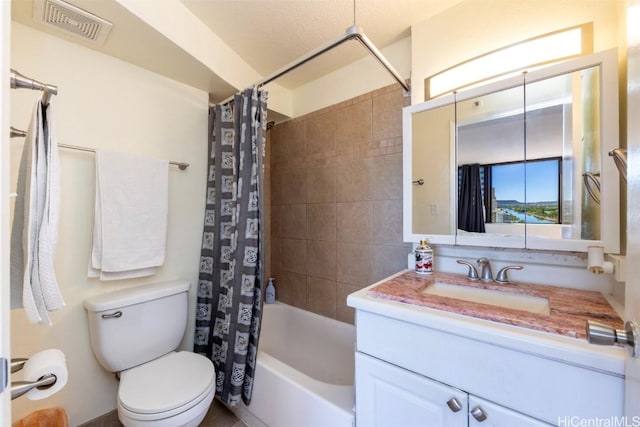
<point>433,154</point>
<point>518,163</point>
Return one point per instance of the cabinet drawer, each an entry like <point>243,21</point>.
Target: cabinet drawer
<point>542,388</point>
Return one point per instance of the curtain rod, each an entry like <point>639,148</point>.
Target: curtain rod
<point>20,81</point>
<point>17,133</point>
<point>353,32</point>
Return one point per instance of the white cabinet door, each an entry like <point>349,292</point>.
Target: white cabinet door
<point>483,413</point>
<point>388,396</point>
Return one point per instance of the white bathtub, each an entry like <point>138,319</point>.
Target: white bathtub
<point>305,370</point>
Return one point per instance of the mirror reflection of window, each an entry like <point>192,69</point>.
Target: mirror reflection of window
<point>519,192</point>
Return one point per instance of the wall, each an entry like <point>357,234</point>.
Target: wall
<point>336,201</point>
<point>5,350</point>
<point>468,35</point>
<point>109,104</point>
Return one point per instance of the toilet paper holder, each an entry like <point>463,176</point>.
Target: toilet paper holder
<point>18,388</point>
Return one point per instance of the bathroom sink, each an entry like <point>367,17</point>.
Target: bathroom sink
<point>514,301</point>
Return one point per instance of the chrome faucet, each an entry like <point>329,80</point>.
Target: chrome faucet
<point>473,273</point>
<point>502,274</point>
<point>486,275</point>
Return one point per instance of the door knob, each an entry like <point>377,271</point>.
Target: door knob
<point>601,334</point>
<point>478,414</point>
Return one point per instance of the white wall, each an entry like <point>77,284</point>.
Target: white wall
<point>104,103</point>
<point>473,28</point>
<point>5,351</point>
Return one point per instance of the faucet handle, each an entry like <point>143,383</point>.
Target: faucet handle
<point>502,274</point>
<point>473,273</point>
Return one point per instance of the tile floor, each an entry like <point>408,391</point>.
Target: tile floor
<point>220,416</point>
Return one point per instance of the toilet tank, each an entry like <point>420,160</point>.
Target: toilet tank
<point>134,325</point>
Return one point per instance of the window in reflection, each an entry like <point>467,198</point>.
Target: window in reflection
<point>515,192</point>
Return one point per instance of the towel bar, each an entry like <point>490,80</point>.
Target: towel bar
<point>17,133</point>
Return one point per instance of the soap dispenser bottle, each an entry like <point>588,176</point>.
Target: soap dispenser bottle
<point>424,258</point>
<point>270,296</point>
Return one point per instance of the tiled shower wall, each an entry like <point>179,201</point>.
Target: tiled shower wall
<point>336,201</point>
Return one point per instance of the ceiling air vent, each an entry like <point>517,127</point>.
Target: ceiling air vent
<point>71,19</point>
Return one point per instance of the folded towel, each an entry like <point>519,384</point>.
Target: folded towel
<point>131,209</point>
<point>34,232</point>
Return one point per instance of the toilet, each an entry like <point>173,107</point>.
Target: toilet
<point>135,333</point>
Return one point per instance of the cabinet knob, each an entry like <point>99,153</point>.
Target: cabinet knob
<point>454,404</point>
<point>478,414</point>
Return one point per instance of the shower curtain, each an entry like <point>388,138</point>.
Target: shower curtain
<point>470,203</point>
<point>232,255</point>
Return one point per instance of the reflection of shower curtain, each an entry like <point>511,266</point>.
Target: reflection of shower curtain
<point>470,206</point>
<point>232,255</point>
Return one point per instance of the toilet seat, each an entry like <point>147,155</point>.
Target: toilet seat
<point>166,386</point>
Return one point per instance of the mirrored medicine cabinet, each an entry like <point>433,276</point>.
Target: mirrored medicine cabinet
<point>519,163</point>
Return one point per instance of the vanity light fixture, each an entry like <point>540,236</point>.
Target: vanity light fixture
<point>513,59</point>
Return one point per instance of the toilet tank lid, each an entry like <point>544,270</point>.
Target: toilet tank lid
<point>135,295</point>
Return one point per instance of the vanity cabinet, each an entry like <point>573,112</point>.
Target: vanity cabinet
<point>412,360</point>
<point>389,396</point>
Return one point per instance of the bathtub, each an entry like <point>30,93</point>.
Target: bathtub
<point>304,374</point>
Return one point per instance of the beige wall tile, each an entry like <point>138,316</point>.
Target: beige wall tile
<point>354,263</point>
<point>353,127</point>
<point>354,222</point>
<point>345,313</point>
<point>321,259</point>
<point>275,221</point>
<point>276,256</point>
<point>294,221</point>
<point>353,180</point>
<point>293,255</point>
<point>289,186</point>
<point>387,114</point>
<point>321,221</point>
<point>291,288</point>
<point>387,222</point>
<point>388,260</point>
<point>321,184</point>
<point>342,167</point>
<point>321,136</point>
<point>321,296</point>
<point>387,177</point>
<point>288,143</point>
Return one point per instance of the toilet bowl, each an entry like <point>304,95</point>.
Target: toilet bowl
<point>135,332</point>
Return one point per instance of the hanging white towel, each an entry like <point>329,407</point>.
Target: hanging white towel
<point>34,233</point>
<point>131,209</point>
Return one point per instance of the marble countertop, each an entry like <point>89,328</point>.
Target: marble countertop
<point>569,308</point>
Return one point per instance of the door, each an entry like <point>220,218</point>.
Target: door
<point>5,25</point>
<point>632,297</point>
<point>389,396</point>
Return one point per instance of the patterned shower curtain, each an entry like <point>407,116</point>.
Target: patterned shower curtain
<point>231,276</point>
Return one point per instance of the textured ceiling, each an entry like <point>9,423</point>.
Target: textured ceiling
<point>266,34</point>
<point>270,34</point>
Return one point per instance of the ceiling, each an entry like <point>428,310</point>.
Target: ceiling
<point>266,34</point>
